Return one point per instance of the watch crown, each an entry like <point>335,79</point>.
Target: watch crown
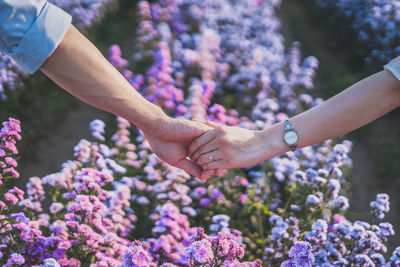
<point>288,126</point>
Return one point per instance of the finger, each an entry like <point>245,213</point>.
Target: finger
<point>200,141</point>
<point>183,130</point>
<point>205,175</point>
<point>206,149</point>
<point>217,164</point>
<point>189,167</point>
<point>208,157</point>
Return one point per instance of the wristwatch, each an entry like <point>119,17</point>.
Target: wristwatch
<point>290,137</point>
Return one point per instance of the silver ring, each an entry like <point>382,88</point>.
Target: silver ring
<point>211,157</point>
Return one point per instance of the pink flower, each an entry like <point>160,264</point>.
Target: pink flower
<point>74,262</point>
<point>17,191</point>
<point>11,198</point>
<point>243,198</point>
<point>12,172</point>
<point>65,244</point>
<point>56,207</point>
<point>69,216</point>
<point>10,161</point>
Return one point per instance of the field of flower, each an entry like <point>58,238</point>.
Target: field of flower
<point>116,204</point>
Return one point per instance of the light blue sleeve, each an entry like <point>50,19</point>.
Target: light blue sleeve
<point>30,30</point>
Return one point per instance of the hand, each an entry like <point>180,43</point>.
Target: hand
<point>170,140</point>
<point>227,147</point>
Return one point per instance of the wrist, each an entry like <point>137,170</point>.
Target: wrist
<point>273,143</point>
<point>153,121</point>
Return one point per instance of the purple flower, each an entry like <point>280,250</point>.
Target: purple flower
<point>312,200</point>
<point>137,256</point>
<point>204,202</point>
<point>16,258</point>
<point>216,194</point>
<point>200,251</point>
<point>341,203</point>
<point>50,262</point>
<point>301,254</point>
<point>289,263</point>
<point>381,205</point>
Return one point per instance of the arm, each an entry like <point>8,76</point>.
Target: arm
<point>78,67</point>
<point>354,107</point>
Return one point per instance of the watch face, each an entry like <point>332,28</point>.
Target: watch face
<point>291,138</point>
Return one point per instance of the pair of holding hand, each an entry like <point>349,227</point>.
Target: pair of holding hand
<point>226,147</point>
<point>204,149</point>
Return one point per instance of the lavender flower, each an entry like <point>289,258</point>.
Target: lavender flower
<point>16,258</point>
<point>380,206</point>
<point>301,254</point>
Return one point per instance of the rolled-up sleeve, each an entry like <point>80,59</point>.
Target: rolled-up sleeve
<point>394,67</point>
<point>30,30</point>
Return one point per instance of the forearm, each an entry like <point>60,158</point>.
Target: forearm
<point>354,107</point>
<point>78,67</point>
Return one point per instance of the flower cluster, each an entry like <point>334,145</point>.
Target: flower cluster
<point>10,76</point>
<point>84,12</point>
<point>376,24</point>
<point>301,255</point>
<point>117,204</point>
<point>9,135</point>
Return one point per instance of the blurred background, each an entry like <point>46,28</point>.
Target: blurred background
<point>53,122</point>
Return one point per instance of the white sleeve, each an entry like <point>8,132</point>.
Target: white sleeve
<point>394,67</point>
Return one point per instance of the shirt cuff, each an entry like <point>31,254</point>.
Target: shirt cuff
<point>42,38</point>
<point>394,67</point>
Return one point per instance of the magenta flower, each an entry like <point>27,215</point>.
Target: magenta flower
<point>11,198</point>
